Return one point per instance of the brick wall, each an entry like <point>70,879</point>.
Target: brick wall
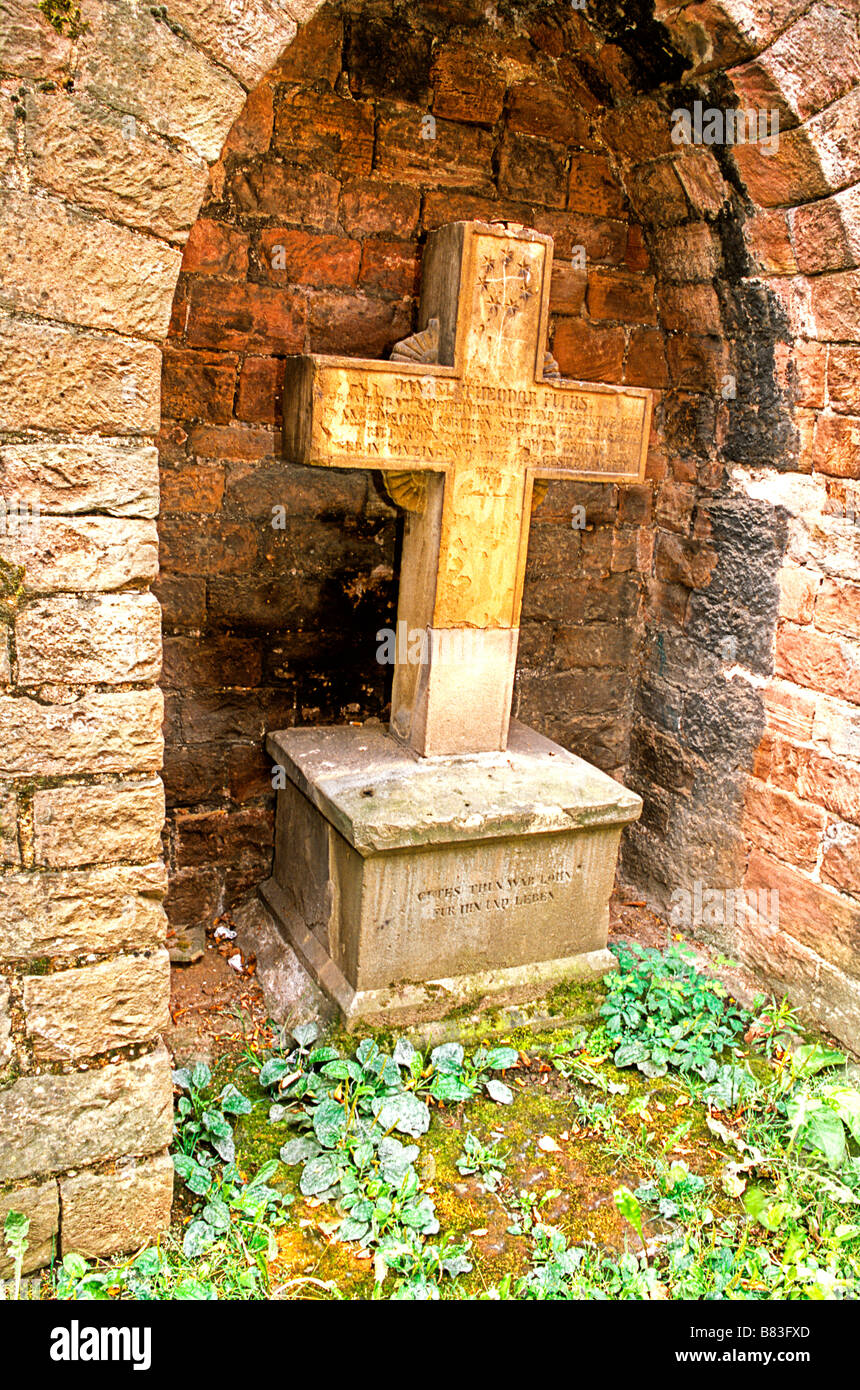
<point>745,703</point>
<point>310,239</point>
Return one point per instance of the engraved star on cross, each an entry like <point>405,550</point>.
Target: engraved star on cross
<point>463,420</point>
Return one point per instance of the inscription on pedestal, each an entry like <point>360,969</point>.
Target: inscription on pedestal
<point>494,895</point>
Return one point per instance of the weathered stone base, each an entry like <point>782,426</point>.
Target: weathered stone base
<point>410,888</point>
<point>420,1002</point>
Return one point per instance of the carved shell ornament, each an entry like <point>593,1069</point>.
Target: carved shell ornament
<point>408,488</point>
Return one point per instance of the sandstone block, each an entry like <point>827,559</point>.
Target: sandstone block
<point>788,828</point>
<point>838,607</point>
<point>89,553</point>
<point>213,248</point>
<point>108,1212</point>
<point>835,305</point>
<point>837,446</point>
<point>840,864</point>
<point>106,639</point>
<point>41,1205</point>
<point>826,994</point>
<point>812,914</point>
<point>818,661</point>
<point>132,60</point>
<point>52,377</point>
<point>72,911</point>
<point>104,159</point>
<point>29,44</point>
<point>9,852</point>
<point>117,476</point>
<point>98,733</point>
<point>247,36</point>
<point>98,824</point>
<point>7,1046</point>
<point>82,1012</point>
<point>837,724</point>
<point>61,263</point>
<point>797,590</point>
<point>53,1122</point>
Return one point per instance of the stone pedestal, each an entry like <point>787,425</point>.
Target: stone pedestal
<point>411,886</point>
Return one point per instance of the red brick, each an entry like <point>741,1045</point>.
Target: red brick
<point>536,108</point>
<point>603,239</point>
<point>675,502</point>
<point>621,297</point>
<point>225,837</point>
<point>457,156</point>
<point>639,131</point>
<point>840,864</point>
<point>234,442</point>
<point>321,128</point>
<point>843,380</point>
<point>533,169</point>
<point>830,782</point>
<point>315,53</point>
<point>588,353</point>
<point>567,289</point>
<point>690,308</point>
<point>252,129</point>
<point>266,189</point>
<point>682,561</point>
<point>646,359</point>
<point>703,183</point>
<point>636,252</point>
<point>304,258</point>
<point>807,371</point>
<point>220,548</point>
<point>797,590</point>
<point>468,86</point>
<point>632,549</point>
<point>183,605</point>
<point>355,326</point>
<point>817,662</point>
<point>838,607</point>
<point>696,363</point>
<point>789,710</point>
<point>198,385</point>
<point>768,241</point>
<point>193,895</point>
<point>368,207</point>
<point>655,193</point>
<point>825,236</point>
<point>783,825</point>
<point>213,662</point>
<point>214,249</point>
<point>810,912</point>
<point>592,187</point>
<point>634,505</point>
<point>246,317</point>
<point>687,253</point>
<point>195,487</point>
<point>835,304</point>
<point>260,399</point>
<point>250,773</point>
<point>389,268</point>
<point>837,446</point>
<point>792,174</point>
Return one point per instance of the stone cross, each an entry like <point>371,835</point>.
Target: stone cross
<point>463,420</point>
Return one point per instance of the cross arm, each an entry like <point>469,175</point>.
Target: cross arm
<point>344,412</point>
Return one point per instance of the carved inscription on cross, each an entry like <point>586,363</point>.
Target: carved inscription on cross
<point>463,420</point>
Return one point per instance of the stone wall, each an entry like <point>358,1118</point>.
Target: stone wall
<point>745,701</point>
